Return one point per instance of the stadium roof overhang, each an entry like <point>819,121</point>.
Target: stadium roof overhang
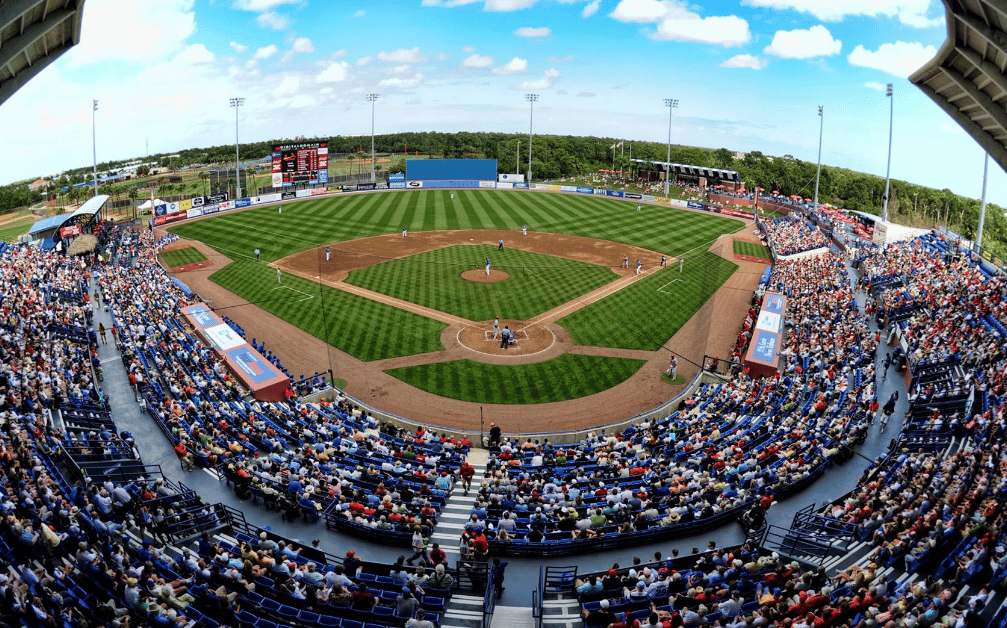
<point>91,207</point>
<point>33,34</point>
<point>695,171</point>
<point>966,79</point>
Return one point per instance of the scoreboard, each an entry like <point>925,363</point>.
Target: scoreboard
<point>304,163</point>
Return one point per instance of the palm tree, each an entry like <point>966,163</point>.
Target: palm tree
<point>204,177</point>
<point>230,188</point>
<point>132,193</point>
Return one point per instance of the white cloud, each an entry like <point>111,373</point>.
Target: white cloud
<point>878,87</point>
<point>563,59</point>
<point>402,55</point>
<point>339,53</point>
<point>899,59</point>
<point>590,8</point>
<point>443,56</point>
<point>677,22</point>
<point>261,5</point>
<point>804,43</point>
<point>360,13</point>
<point>273,20</point>
<point>266,52</point>
<point>405,68</point>
<point>303,45</point>
<point>336,72</point>
<point>744,61</point>
<point>362,61</point>
<point>468,49</point>
<point>477,61</point>
<point>239,48</point>
<point>125,30</point>
<point>548,80</point>
<point>517,65</point>
<point>909,12</point>
<point>532,32</point>
<point>403,83</point>
<point>288,86</point>
<point>488,5</point>
<point>195,54</point>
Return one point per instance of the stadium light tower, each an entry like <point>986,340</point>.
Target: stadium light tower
<point>94,147</point>
<point>531,98</point>
<point>671,104</point>
<point>821,127</point>
<point>372,98</point>
<point>891,120</point>
<point>237,103</point>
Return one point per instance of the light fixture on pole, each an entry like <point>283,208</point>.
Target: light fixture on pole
<point>372,98</point>
<point>821,127</point>
<point>531,98</point>
<point>671,104</point>
<point>236,103</point>
<point>94,147</point>
<point>891,119</point>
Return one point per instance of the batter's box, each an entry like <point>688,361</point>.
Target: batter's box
<point>519,334</point>
<point>662,288</point>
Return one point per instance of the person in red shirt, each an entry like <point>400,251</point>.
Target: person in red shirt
<point>363,600</point>
<point>467,472</point>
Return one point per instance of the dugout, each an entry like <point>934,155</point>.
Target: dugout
<point>763,357</point>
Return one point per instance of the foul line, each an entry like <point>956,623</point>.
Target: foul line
<point>661,289</point>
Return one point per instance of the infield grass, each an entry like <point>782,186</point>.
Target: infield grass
<point>310,223</point>
<point>537,282</point>
<point>647,313</point>
<point>365,329</point>
<point>181,257</point>
<point>751,249</point>
<point>568,376</point>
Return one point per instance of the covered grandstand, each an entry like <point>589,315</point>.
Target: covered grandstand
<point>49,232</point>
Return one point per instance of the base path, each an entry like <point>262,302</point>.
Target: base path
<point>712,330</point>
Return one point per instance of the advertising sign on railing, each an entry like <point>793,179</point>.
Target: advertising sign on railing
<point>487,184</point>
<point>694,205</point>
<point>615,193</point>
<point>584,190</point>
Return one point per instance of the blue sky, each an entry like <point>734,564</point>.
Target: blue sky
<point>749,76</point>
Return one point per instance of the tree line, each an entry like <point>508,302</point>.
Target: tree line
<point>567,156</point>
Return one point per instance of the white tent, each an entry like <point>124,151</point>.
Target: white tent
<point>149,204</point>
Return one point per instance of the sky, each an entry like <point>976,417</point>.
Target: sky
<point>748,75</point>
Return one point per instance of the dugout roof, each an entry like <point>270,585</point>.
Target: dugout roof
<point>33,34</point>
<point>967,77</point>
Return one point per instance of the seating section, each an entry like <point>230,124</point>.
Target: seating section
<point>790,235</point>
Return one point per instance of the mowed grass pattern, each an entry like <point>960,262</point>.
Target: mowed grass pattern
<point>649,312</point>
<point>315,222</point>
<point>537,282</point>
<point>751,249</point>
<point>363,328</point>
<point>181,257</point>
<point>569,376</point>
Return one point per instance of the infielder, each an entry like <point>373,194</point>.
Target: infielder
<point>639,266</point>
<point>625,261</point>
<point>328,252</point>
<point>405,232</point>
<point>524,229</point>
<point>278,276</point>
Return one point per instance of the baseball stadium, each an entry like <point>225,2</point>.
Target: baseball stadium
<point>454,396</point>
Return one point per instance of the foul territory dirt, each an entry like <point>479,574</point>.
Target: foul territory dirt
<point>711,331</point>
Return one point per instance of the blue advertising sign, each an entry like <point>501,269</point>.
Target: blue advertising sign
<point>323,176</point>
<point>584,190</point>
<point>252,364</point>
<point>210,209</point>
<point>451,184</point>
<point>201,314</point>
<point>764,346</point>
<point>695,205</point>
<point>365,186</point>
<point>160,210</point>
<point>614,193</point>
<point>243,202</point>
<point>773,302</point>
<point>521,185</point>
<point>397,185</point>
<point>396,176</point>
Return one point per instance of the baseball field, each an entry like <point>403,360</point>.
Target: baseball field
<point>592,293</point>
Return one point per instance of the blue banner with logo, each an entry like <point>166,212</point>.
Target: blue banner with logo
<point>521,185</point>
<point>243,202</point>
<point>396,177</point>
<point>254,367</point>
<point>614,193</point>
<point>452,184</point>
<point>397,185</point>
<point>365,186</point>
<point>695,205</point>
<point>583,190</point>
<point>764,346</point>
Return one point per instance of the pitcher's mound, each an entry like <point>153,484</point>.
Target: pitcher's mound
<point>482,277</point>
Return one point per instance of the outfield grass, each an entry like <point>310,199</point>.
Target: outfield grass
<point>751,249</point>
<point>365,329</point>
<point>315,222</point>
<point>537,282</point>
<point>12,230</point>
<point>649,312</point>
<point>569,376</point>
<point>181,257</point>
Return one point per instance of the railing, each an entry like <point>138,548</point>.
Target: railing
<point>489,597</point>
<point>536,608</point>
<point>721,367</point>
<point>797,544</point>
<point>982,252</point>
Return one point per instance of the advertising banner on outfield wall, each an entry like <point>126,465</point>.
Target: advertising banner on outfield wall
<point>735,212</point>
<point>286,196</point>
<point>302,193</point>
<point>487,184</point>
<point>397,177</point>
<point>210,209</point>
<point>277,179</point>
<point>615,193</point>
<point>600,191</point>
<point>365,186</point>
<point>397,185</point>
<point>449,183</point>
<point>547,186</point>
<point>194,213</point>
<point>674,202</point>
<point>521,185</point>
<point>226,205</point>
<point>583,190</point>
<point>197,201</point>
<point>268,198</point>
<point>172,208</point>
<point>380,185</point>
<point>243,202</point>
<point>185,205</point>
<point>215,199</point>
<point>646,197</point>
<point>633,196</point>
<point>414,184</point>
<point>694,205</point>
<point>168,218</point>
<point>568,188</point>
<point>664,201</point>
<point>505,185</point>
<point>511,178</point>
